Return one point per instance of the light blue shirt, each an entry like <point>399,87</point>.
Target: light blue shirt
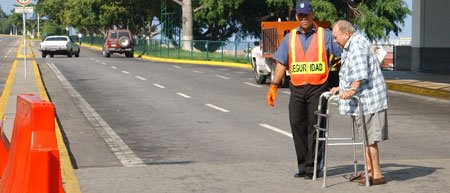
<point>359,62</point>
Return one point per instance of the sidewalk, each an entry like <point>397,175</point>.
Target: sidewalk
<point>432,85</point>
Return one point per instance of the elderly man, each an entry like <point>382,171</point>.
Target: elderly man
<point>361,76</point>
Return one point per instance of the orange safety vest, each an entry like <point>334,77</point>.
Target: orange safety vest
<point>311,68</point>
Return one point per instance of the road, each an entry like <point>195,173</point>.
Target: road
<point>139,126</point>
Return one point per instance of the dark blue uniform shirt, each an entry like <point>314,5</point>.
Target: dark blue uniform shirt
<point>281,55</point>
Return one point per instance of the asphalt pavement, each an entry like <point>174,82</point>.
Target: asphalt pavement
<point>418,162</point>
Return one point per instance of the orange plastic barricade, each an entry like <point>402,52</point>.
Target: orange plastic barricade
<point>4,146</point>
<point>33,164</point>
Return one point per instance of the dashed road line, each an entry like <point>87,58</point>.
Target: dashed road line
<point>183,95</point>
<point>251,84</point>
<point>140,77</point>
<point>126,72</point>
<point>217,108</point>
<point>104,63</point>
<point>113,67</point>
<point>286,92</point>
<point>7,53</point>
<point>226,78</point>
<point>196,71</point>
<point>159,86</point>
<point>97,61</point>
<point>177,67</point>
<point>276,130</point>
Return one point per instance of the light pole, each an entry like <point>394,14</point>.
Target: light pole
<point>24,32</point>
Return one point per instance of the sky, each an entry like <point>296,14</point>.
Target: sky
<point>8,5</point>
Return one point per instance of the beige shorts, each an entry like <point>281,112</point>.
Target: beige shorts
<point>376,125</point>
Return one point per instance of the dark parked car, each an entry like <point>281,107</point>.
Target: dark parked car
<point>119,41</point>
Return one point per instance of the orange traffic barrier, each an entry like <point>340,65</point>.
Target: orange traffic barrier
<point>33,164</point>
<point>4,146</point>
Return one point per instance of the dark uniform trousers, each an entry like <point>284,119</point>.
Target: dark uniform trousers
<point>303,102</point>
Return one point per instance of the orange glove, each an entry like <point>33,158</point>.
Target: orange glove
<point>272,95</point>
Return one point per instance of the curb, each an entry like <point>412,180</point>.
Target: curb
<point>436,93</point>
<point>180,61</point>
<point>69,178</point>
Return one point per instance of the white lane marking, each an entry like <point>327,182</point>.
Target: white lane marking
<point>223,77</point>
<point>286,92</point>
<point>113,67</point>
<point>142,78</point>
<point>7,53</point>
<point>177,67</point>
<point>197,71</point>
<point>104,63</point>
<point>91,58</point>
<point>126,72</point>
<point>97,61</point>
<point>114,142</point>
<point>159,86</point>
<point>276,130</point>
<point>183,95</point>
<point>240,72</point>
<point>251,84</point>
<point>217,108</point>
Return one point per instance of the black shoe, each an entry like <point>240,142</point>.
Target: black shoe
<point>299,175</point>
<point>308,176</point>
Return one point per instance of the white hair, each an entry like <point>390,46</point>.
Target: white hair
<point>344,26</point>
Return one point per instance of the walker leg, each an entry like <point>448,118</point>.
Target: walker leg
<point>315,155</point>
<point>355,161</point>
<point>324,185</point>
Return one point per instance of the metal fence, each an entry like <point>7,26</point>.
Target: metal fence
<point>223,51</point>
<point>234,51</point>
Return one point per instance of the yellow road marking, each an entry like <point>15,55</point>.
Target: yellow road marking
<point>7,88</point>
<point>20,50</point>
<point>70,180</point>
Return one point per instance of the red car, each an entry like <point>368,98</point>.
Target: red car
<point>119,41</point>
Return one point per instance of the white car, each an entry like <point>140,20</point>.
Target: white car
<point>59,45</point>
<point>264,67</point>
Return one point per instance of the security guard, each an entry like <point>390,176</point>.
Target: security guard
<point>305,51</point>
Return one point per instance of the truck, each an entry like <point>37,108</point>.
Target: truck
<point>272,33</point>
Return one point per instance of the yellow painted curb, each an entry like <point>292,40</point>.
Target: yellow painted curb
<point>198,62</point>
<point>419,90</point>
<point>69,177</point>
<point>29,51</point>
<point>7,88</point>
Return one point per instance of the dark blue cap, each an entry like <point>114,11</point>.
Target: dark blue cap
<point>303,7</point>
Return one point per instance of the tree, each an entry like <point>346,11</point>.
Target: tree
<point>97,16</point>
<point>187,21</point>
<point>377,18</point>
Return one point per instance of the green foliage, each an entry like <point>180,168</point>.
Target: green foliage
<point>378,18</point>
<point>221,19</point>
<point>50,28</point>
<point>97,16</point>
